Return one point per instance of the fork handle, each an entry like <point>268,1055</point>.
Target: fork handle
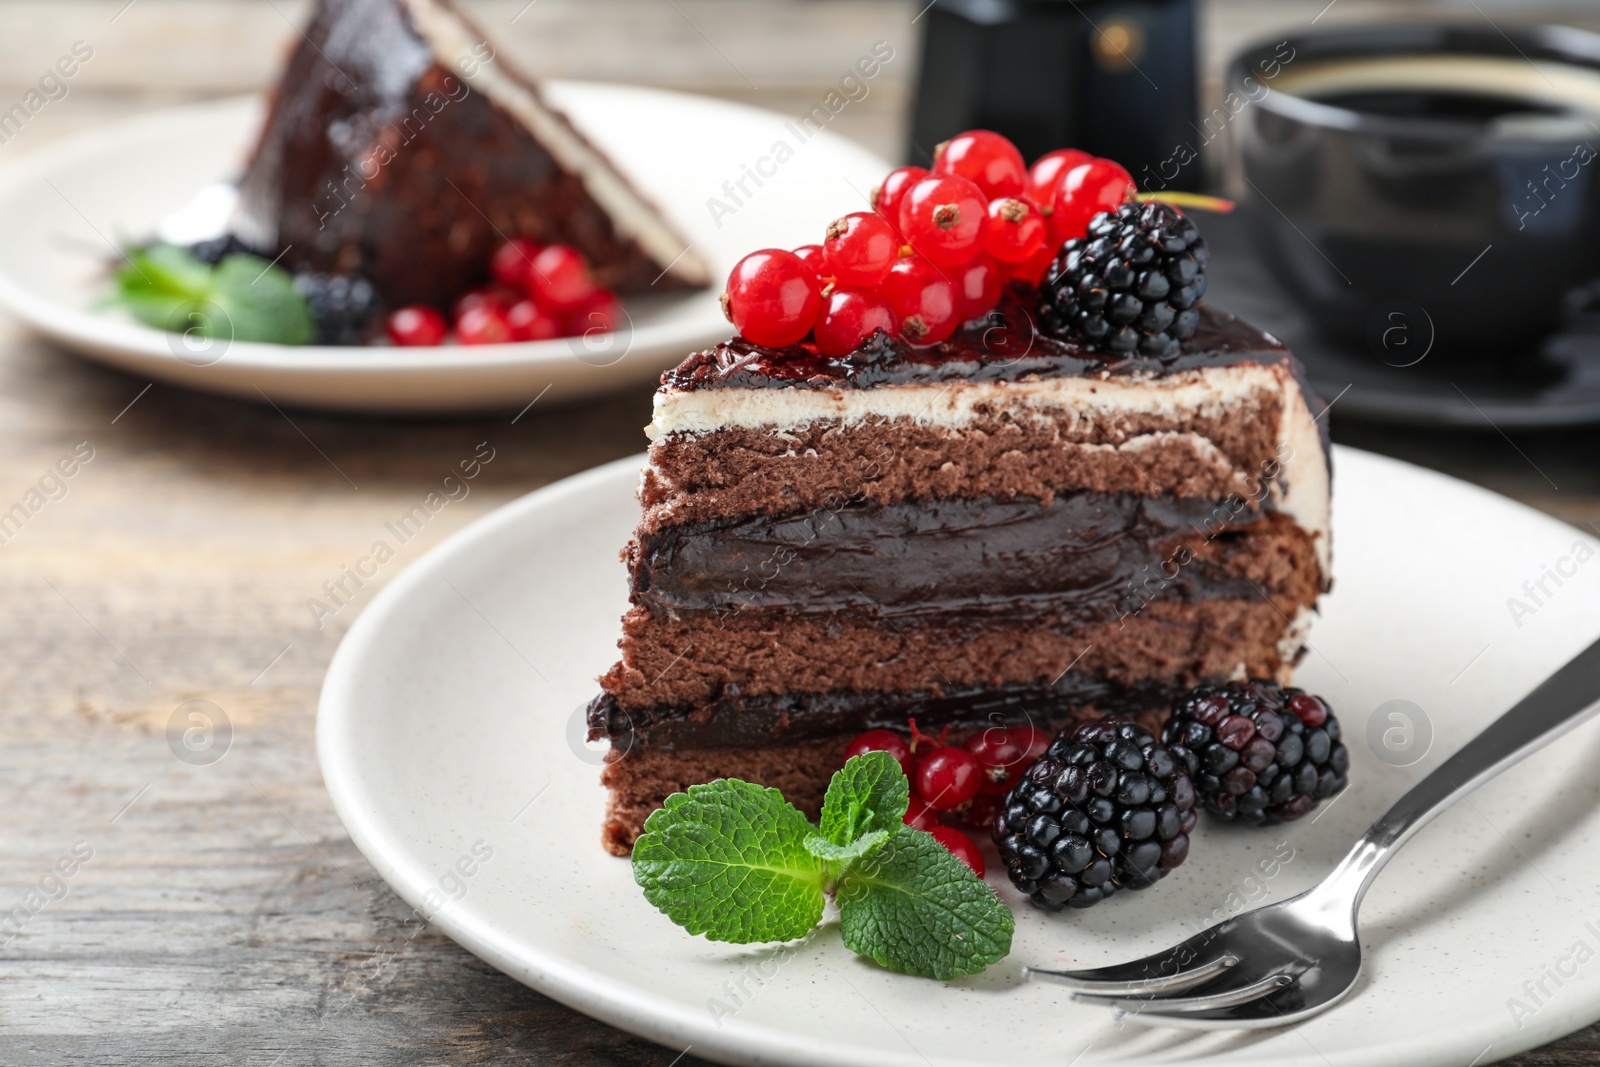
<point>1561,702</point>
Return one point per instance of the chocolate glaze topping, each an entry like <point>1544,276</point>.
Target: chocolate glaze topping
<point>1005,346</point>
<point>737,720</point>
<point>1074,559</point>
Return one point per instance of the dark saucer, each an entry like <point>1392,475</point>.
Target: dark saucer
<point>1558,387</point>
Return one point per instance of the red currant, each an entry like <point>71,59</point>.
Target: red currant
<point>1084,192</point>
<point>883,741</point>
<point>860,248</point>
<point>814,257</point>
<point>984,807</point>
<point>509,264</point>
<point>483,325</point>
<point>948,777</point>
<point>1031,271</point>
<point>1016,230</point>
<point>772,298</point>
<point>530,322</point>
<point>1308,709</point>
<point>1047,172</point>
<point>599,312</point>
<point>923,299</point>
<point>1033,740</point>
<point>942,217</point>
<point>919,815</point>
<point>417,325</point>
<point>960,846</point>
<point>887,196</point>
<point>984,158</point>
<point>1000,754</point>
<point>980,285</point>
<point>559,278</point>
<point>848,317</point>
<point>493,295</point>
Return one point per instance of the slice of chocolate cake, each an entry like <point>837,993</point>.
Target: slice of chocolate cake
<point>1009,526</point>
<point>400,147</point>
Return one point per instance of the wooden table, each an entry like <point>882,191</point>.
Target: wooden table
<point>223,915</point>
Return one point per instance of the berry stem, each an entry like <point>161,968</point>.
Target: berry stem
<point>1194,201</point>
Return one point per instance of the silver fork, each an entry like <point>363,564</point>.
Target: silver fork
<point>1294,959</point>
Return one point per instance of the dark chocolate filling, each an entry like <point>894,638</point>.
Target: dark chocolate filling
<point>1005,346</point>
<point>736,720</point>
<point>1076,559</point>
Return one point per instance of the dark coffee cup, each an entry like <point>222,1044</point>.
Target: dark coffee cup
<point>1423,186</point>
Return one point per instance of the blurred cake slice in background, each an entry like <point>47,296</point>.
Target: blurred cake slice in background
<point>401,148</point>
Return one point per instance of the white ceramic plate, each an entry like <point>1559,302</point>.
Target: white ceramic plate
<point>59,210</point>
<point>450,725</point>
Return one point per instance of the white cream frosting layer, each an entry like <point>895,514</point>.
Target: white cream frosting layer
<point>1300,487</point>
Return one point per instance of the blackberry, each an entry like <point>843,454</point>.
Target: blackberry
<point>341,305</point>
<point>214,249</point>
<point>1265,753</point>
<point>1131,286</point>
<point>1105,808</point>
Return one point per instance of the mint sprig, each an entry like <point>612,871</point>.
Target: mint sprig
<point>242,298</point>
<point>736,862</point>
<point>728,860</point>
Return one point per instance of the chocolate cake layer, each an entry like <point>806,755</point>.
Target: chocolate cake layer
<point>1067,559</point>
<point>688,663</point>
<point>738,720</point>
<point>1001,347</point>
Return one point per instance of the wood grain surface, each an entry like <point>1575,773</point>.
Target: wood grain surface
<point>157,910</point>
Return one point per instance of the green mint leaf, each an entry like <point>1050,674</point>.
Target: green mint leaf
<point>243,298</point>
<point>169,269</point>
<point>869,793</point>
<point>728,860</point>
<point>916,909</point>
<point>260,301</point>
<point>864,845</point>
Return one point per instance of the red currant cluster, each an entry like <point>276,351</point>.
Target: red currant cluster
<point>539,292</point>
<point>963,783</point>
<point>937,250</point>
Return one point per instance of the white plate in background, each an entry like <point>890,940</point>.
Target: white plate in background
<point>60,207</point>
